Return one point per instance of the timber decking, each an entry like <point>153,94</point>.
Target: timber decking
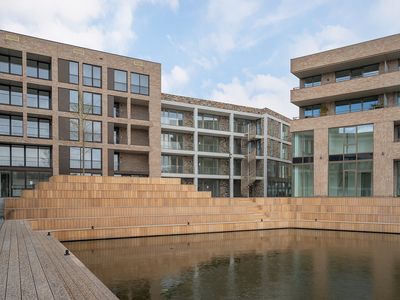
<point>33,266</point>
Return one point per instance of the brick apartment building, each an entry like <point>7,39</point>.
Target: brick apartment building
<point>132,129</point>
<point>345,142</point>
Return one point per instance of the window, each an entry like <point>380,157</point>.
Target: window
<point>303,167</point>
<point>258,148</point>
<point>285,132</point>
<point>91,75</point>
<point>38,69</point>
<point>73,72</point>
<point>362,104</point>
<point>91,158</point>
<point>357,73</point>
<point>171,117</point>
<point>208,144</point>
<point>279,130</point>
<point>116,161</point>
<point>73,101</point>
<point>39,128</point>
<point>11,95</point>
<point>209,166</point>
<point>209,185</point>
<point>92,131</point>
<point>73,129</point>
<point>11,125</point>
<point>25,156</point>
<point>91,103</point>
<point>120,80</point>
<point>171,164</point>
<point>38,98</point>
<point>312,81</point>
<point>237,167</point>
<point>237,146</point>
<point>208,121</point>
<point>271,127</point>
<point>285,151</point>
<point>171,140</point>
<point>258,125</point>
<point>312,111</point>
<point>11,62</point>
<point>351,161</point>
<point>139,84</point>
<point>271,149</point>
<point>15,181</point>
<point>240,125</point>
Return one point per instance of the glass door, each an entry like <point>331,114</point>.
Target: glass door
<point>5,180</point>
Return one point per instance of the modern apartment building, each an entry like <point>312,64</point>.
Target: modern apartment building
<point>345,142</point>
<point>208,144</point>
<point>130,128</point>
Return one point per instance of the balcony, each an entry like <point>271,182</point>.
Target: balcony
<point>172,145</point>
<point>172,169</point>
<point>348,89</point>
<point>120,113</point>
<point>120,139</point>
<point>210,171</point>
<point>209,148</point>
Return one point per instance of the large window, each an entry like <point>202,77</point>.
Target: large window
<point>73,72</point>
<point>73,101</point>
<point>25,156</point>
<point>258,126</point>
<point>208,121</point>
<point>285,151</point>
<point>357,73</point>
<point>209,185</point>
<point>351,161</point>
<point>139,84</point>
<point>38,69</point>
<point>11,125</point>
<point>171,164</point>
<point>303,167</point>
<point>91,75</point>
<point>39,128</point>
<point>91,103</point>
<point>285,132</point>
<point>73,129</point>
<point>92,130</point>
<point>120,79</point>
<point>10,61</point>
<point>11,95</point>
<point>240,125</point>
<point>209,166</point>
<point>312,111</point>
<point>348,106</point>
<point>208,144</point>
<point>13,182</point>
<point>170,140</point>
<point>171,117</point>
<point>312,81</point>
<point>91,157</point>
<point>116,161</point>
<point>38,98</point>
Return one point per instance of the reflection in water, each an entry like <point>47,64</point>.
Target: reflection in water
<point>270,264</point>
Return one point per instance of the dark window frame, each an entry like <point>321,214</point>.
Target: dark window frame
<point>38,147</point>
<point>38,62</point>
<point>81,158</point>
<point>146,89</point>
<point>10,63</point>
<point>73,76</point>
<point>91,108</point>
<point>10,86</point>
<point>313,81</point>
<point>11,117</point>
<point>91,78</point>
<point>121,83</point>
<point>38,121</point>
<point>38,98</point>
<point>351,73</point>
<point>92,134</point>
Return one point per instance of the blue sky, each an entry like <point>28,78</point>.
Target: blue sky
<point>224,50</point>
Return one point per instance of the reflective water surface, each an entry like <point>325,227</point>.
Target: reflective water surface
<point>270,264</point>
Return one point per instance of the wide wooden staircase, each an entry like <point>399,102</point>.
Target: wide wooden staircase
<point>84,207</point>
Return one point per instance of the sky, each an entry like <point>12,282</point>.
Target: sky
<point>232,51</point>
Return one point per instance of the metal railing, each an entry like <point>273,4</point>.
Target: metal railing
<point>121,113</point>
<point>172,145</point>
<point>210,171</point>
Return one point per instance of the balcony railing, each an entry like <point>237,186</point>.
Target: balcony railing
<point>331,113</point>
<point>172,169</point>
<point>210,171</point>
<point>172,145</point>
<point>209,148</point>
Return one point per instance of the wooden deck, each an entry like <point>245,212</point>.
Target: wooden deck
<point>33,266</point>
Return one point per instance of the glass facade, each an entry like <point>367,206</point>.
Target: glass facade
<point>303,164</point>
<point>171,164</point>
<point>171,117</point>
<point>208,121</point>
<point>171,140</point>
<point>351,161</point>
<point>209,185</point>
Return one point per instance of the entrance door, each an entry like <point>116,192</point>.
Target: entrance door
<point>5,181</point>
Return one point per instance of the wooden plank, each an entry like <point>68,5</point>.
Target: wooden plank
<point>56,284</point>
<point>28,289</point>
<point>42,286</point>
<point>93,282</point>
<point>13,290</point>
<point>74,282</point>
<point>4,257</point>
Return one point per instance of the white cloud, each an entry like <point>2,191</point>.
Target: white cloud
<point>328,38</point>
<point>288,9</point>
<point>204,62</point>
<point>175,80</point>
<point>98,24</point>
<point>260,91</point>
<point>388,9</point>
<point>206,83</point>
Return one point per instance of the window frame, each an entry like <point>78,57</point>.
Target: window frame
<point>10,94</point>
<point>89,163</point>
<point>91,78</point>
<point>38,122</point>
<point>201,122</point>
<point>38,69</point>
<point>315,81</point>
<point>121,83</point>
<point>10,63</point>
<point>10,125</point>
<point>215,144</point>
<point>165,116</point>
<point>38,91</point>
<point>140,86</point>
<point>92,107</point>
<point>176,168</point>
<point>350,72</point>
<point>24,164</point>
<point>71,75</point>
<point>92,132</point>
